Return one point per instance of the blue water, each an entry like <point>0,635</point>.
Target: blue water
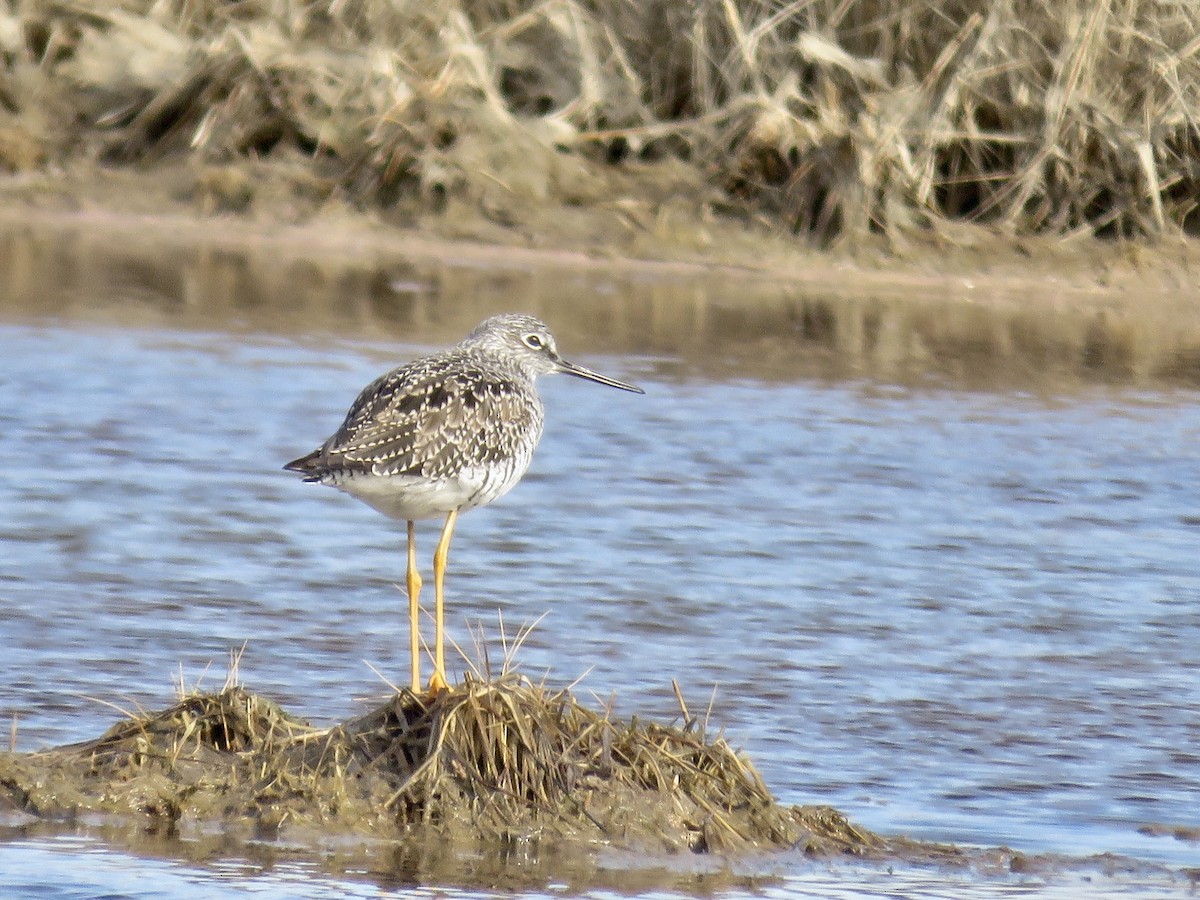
<point>959,615</point>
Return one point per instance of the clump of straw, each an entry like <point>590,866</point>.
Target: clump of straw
<point>486,761</point>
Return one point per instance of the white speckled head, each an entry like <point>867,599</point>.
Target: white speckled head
<point>527,342</point>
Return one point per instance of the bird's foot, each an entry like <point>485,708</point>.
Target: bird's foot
<point>437,684</point>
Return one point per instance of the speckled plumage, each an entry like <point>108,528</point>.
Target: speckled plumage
<point>437,427</point>
<point>453,430</point>
<point>445,433</point>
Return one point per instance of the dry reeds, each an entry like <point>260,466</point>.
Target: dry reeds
<point>831,119</point>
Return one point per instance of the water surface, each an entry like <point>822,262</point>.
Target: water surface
<point>960,614</point>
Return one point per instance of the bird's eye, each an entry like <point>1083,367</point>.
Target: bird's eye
<point>533,342</point>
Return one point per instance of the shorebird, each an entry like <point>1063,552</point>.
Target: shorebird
<point>443,434</point>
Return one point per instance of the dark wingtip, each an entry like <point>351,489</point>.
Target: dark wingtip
<point>304,465</point>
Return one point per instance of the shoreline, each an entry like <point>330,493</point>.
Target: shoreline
<point>978,311</point>
<point>974,264</point>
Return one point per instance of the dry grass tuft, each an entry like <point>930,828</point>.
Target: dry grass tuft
<point>831,118</point>
<point>510,755</point>
<point>484,762</point>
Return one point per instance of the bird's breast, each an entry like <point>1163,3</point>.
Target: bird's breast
<point>412,497</point>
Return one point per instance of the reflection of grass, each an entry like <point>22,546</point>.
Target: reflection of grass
<point>833,118</point>
<point>486,761</point>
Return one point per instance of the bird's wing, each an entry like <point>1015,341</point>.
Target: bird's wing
<point>425,421</point>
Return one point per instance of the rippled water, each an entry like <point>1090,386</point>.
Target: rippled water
<point>960,615</point>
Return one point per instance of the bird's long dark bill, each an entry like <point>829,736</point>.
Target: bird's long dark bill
<point>569,368</point>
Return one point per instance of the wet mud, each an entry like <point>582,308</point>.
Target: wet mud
<point>486,765</point>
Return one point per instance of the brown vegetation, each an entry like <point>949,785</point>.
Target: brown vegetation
<point>484,763</point>
<point>828,119</point>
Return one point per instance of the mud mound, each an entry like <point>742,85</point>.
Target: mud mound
<point>485,762</point>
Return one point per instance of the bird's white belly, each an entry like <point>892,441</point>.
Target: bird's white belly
<point>409,497</point>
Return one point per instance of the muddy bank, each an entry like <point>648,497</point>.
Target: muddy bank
<point>481,767</point>
<point>499,783</point>
<point>735,143</point>
<point>483,762</point>
<point>1044,316</point>
<point>170,203</point>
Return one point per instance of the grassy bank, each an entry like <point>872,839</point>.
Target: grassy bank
<point>832,121</point>
<point>470,773</point>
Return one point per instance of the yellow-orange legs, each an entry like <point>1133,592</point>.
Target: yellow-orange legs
<point>414,608</point>
<point>440,555</point>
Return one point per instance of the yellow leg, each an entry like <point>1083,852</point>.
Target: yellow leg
<point>414,608</point>
<point>438,681</point>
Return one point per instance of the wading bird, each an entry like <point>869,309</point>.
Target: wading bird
<point>443,434</point>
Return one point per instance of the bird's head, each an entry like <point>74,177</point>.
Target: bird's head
<point>528,343</point>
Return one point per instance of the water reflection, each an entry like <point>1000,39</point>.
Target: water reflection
<point>721,326</point>
<point>210,870</point>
